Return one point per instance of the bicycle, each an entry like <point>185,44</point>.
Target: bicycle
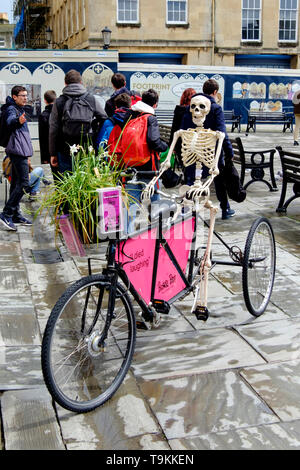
<point>89,340</point>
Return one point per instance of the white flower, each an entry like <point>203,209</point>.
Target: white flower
<point>74,149</point>
<point>91,149</point>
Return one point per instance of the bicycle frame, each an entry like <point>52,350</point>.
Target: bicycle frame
<point>125,256</point>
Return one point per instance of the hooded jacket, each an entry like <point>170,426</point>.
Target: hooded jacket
<point>215,121</point>
<point>12,113</point>
<point>56,139</point>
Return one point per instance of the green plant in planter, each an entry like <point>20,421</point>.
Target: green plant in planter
<point>75,192</point>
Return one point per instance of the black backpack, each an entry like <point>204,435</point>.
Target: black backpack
<point>4,132</point>
<point>77,117</point>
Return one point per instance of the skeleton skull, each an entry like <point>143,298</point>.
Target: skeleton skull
<point>199,107</point>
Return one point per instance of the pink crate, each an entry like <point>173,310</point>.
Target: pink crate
<point>71,237</point>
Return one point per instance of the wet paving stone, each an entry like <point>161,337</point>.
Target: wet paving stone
<point>40,274</point>
<point>276,340</point>
<point>12,279</point>
<point>124,422</point>
<point>18,322</point>
<point>20,367</point>
<point>278,436</point>
<point>29,421</point>
<point>190,353</point>
<point>279,386</point>
<point>205,403</point>
<point>228,312</point>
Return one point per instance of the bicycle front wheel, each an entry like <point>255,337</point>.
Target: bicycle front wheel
<point>86,352</point>
<point>259,266</point>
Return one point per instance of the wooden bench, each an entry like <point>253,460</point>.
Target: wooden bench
<point>269,117</point>
<point>255,160</point>
<point>231,118</point>
<point>290,162</point>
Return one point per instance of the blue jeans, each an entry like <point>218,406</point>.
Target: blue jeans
<point>19,184</point>
<point>35,179</point>
<point>64,162</point>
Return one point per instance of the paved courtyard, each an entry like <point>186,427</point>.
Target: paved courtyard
<point>230,383</point>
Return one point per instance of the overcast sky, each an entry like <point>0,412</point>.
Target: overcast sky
<point>6,7</point>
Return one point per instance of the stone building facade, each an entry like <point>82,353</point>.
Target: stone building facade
<point>6,32</point>
<point>192,32</point>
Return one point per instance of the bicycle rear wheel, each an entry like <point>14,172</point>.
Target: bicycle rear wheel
<point>86,352</point>
<point>259,266</point>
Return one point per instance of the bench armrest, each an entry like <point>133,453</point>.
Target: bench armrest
<point>253,152</point>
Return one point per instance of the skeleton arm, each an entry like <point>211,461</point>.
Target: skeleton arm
<point>149,190</point>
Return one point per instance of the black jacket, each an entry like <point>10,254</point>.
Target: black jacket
<point>44,133</point>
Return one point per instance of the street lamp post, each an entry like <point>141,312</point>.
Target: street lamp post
<point>106,35</point>
<point>49,38</point>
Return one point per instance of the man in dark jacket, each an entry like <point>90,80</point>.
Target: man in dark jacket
<point>118,81</point>
<point>59,145</point>
<point>216,122</point>
<point>14,119</point>
<point>49,98</point>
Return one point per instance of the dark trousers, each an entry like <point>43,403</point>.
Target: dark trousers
<point>221,193</point>
<point>19,184</point>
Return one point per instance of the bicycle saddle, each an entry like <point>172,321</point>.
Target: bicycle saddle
<point>165,207</point>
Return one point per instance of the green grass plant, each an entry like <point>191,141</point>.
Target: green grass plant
<point>75,192</point>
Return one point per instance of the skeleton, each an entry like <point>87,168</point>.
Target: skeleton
<point>202,147</point>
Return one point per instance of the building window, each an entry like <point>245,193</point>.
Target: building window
<point>127,11</point>
<point>251,20</point>
<point>83,13</point>
<point>2,42</point>
<point>77,15</point>
<point>288,14</point>
<point>177,11</point>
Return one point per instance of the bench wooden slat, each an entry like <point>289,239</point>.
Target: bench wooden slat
<point>290,162</point>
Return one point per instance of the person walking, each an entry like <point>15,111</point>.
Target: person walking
<point>296,103</point>
<point>216,122</point>
<point>19,150</point>
<point>71,121</point>
<point>49,98</point>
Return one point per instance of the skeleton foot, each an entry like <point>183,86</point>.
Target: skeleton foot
<point>201,313</point>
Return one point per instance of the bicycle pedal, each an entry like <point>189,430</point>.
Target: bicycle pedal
<point>201,313</point>
<point>142,324</point>
<point>161,306</point>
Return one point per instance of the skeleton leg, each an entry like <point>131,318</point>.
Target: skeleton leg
<point>200,309</point>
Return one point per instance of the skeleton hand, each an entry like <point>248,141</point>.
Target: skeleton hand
<point>197,193</point>
<point>148,191</point>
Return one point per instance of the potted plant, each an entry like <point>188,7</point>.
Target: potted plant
<point>75,193</point>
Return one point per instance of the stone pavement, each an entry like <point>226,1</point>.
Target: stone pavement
<point>232,383</point>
